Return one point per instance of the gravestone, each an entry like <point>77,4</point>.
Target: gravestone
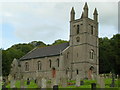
<point>55,87</point>
<point>100,81</point>
<point>63,82</point>
<point>77,81</point>
<point>43,83</point>
<point>28,81</point>
<point>39,81</point>
<point>22,83</point>
<point>93,86</point>
<point>12,83</point>
<point>81,82</point>
<point>113,81</point>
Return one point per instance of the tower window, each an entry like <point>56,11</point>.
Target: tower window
<point>92,30</point>
<point>77,29</point>
<point>50,63</point>
<point>39,65</point>
<point>26,66</point>
<point>78,39</point>
<point>58,62</point>
<point>91,54</point>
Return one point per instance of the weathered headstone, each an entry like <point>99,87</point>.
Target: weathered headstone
<point>77,81</point>
<point>22,83</point>
<point>43,83</point>
<point>100,81</point>
<point>12,83</point>
<point>63,82</point>
<point>39,82</point>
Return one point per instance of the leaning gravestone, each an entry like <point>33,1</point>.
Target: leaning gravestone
<point>77,81</point>
<point>43,83</point>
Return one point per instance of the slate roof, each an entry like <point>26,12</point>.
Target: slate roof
<point>45,51</point>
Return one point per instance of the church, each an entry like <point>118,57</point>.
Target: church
<point>79,57</point>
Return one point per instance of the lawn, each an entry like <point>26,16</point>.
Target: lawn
<point>87,84</point>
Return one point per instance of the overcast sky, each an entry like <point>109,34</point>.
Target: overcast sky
<point>49,21</point>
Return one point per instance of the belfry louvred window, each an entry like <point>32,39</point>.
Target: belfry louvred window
<point>92,32</point>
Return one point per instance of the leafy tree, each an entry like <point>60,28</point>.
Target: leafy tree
<point>59,41</point>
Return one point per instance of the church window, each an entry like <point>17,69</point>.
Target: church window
<point>26,66</point>
<point>50,63</point>
<point>67,55</point>
<point>39,65</point>
<point>92,32</point>
<point>77,29</point>
<point>78,39</point>
<point>91,54</point>
<point>58,62</point>
<point>77,71</point>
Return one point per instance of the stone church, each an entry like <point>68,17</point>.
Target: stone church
<point>79,57</point>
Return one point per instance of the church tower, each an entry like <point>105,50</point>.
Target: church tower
<point>84,44</point>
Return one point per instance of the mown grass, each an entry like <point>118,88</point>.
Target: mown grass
<point>87,84</point>
<point>17,85</point>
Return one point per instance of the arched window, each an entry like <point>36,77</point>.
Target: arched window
<point>58,62</point>
<point>77,29</point>
<point>39,65</point>
<point>50,63</point>
<point>26,66</point>
<point>77,71</point>
<point>91,54</point>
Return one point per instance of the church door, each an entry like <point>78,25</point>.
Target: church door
<point>53,72</point>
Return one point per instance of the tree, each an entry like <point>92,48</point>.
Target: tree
<point>59,41</point>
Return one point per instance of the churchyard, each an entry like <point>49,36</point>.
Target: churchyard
<point>100,82</point>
